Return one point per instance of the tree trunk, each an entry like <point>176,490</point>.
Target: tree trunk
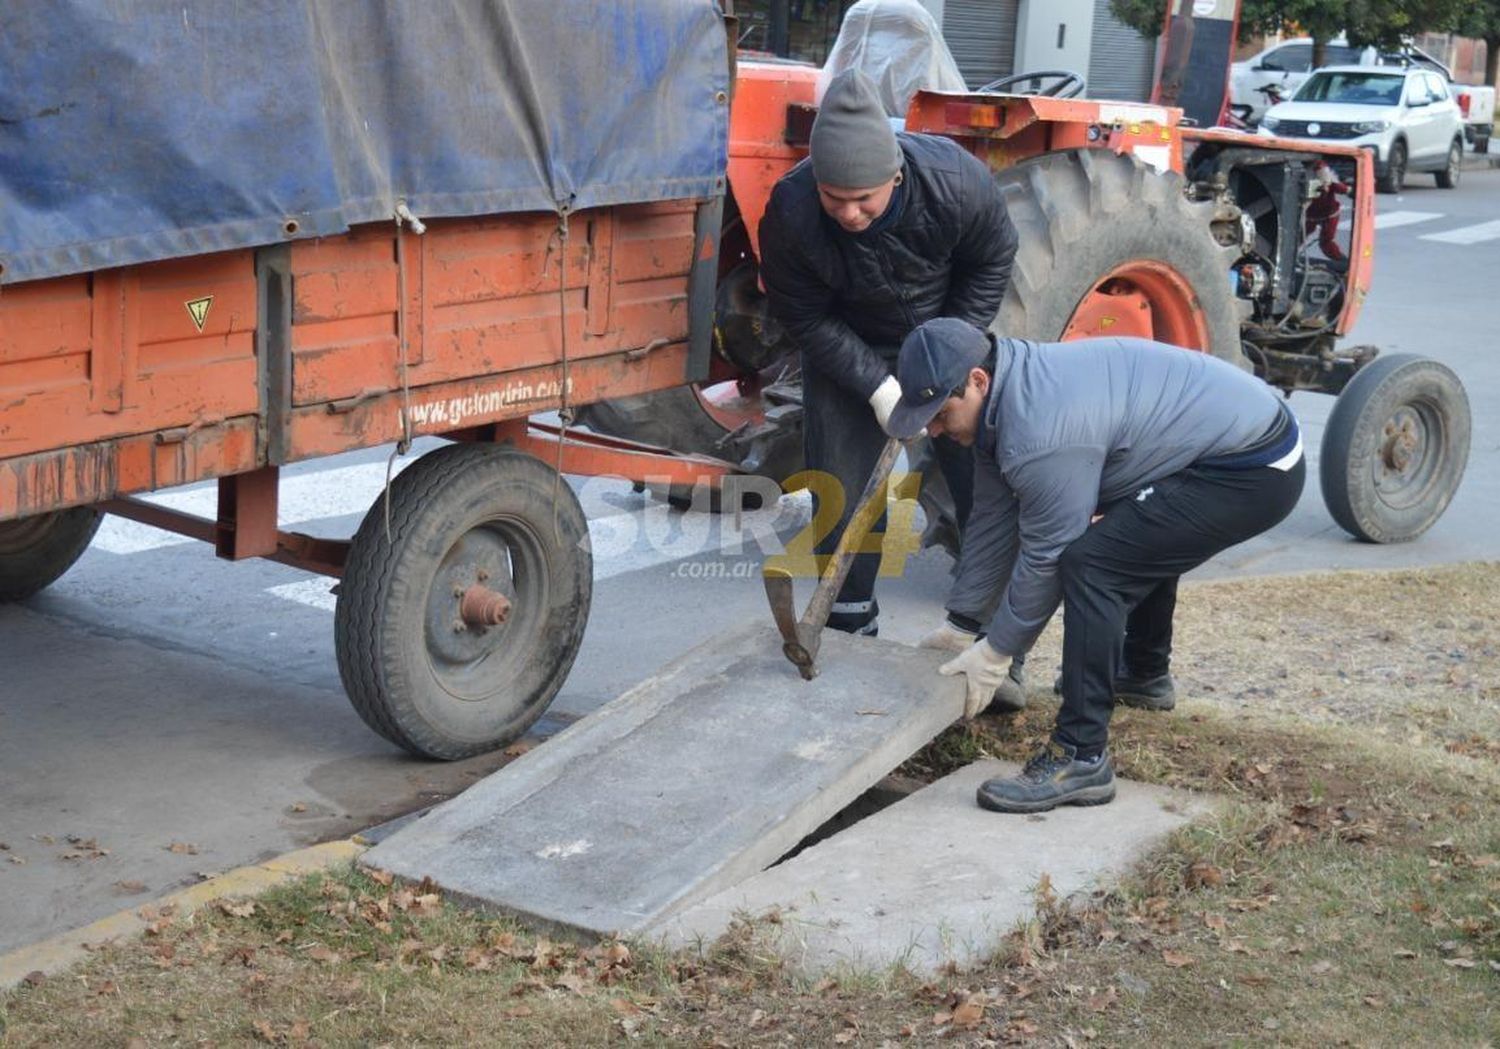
<point>1491,58</point>
<point>1319,52</point>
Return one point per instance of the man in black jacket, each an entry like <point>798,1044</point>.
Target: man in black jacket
<point>873,234</point>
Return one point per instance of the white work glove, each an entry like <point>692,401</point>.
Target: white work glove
<point>949,638</point>
<point>883,401</point>
<point>985,669</point>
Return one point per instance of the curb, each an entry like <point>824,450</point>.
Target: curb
<point>56,953</point>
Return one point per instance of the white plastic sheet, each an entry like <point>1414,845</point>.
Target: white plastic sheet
<point>898,45</point>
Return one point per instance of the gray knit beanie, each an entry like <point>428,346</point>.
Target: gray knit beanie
<point>853,146</point>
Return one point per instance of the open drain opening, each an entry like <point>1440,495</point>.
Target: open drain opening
<point>882,795</point>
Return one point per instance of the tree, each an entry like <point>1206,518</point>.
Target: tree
<point>1482,22</point>
<point>1384,23</point>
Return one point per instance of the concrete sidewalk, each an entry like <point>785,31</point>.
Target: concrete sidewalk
<point>934,878</point>
<point>660,814</point>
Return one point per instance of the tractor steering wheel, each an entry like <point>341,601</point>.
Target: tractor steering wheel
<point>1064,83</point>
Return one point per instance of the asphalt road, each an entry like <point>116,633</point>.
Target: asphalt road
<point>186,715</point>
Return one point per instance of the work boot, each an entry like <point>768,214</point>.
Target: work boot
<point>1142,693</point>
<point>1054,777</point>
<point>1011,695</point>
<point>1146,693</point>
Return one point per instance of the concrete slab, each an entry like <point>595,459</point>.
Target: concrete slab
<point>689,783</point>
<point>934,878</point>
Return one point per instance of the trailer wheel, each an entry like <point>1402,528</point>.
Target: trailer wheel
<point>35,551</point>
<point>454,634</point>
<point>1395,448</point>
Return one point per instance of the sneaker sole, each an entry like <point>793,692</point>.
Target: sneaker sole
<point>1088,796</point>
<point>1139,702</point>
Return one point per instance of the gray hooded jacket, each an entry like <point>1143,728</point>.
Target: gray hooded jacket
<point>1072,427</point>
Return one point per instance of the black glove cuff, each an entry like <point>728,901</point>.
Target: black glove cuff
<point>967,625</point>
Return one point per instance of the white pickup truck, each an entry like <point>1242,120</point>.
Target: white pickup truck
<point>1287,65</point>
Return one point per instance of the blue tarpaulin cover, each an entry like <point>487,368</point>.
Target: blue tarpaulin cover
<point>134,130</point>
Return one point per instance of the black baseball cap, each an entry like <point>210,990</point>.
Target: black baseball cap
<point>935,361</point>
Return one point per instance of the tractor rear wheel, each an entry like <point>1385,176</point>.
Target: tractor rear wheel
<point>1109,247</point>
<point>35,551</point>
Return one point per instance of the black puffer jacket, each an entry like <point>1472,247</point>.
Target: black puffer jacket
<point>848,299</point>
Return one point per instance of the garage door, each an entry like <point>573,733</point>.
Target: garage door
<point>1121,61</point>
<point>982,36</point>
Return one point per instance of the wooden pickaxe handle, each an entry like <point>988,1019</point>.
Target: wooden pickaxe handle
<point>802,637</point>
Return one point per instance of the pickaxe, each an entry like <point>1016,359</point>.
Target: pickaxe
<point>801,637</point>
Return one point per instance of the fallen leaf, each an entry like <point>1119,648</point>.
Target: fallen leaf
<point>300,1031</point>
<point>19,861</point>
<point>284,936</point>
<point>1373,1002</point>
<point>1404,954</point>
<point>519,747</point>
<point>625,1007</point>
<point>969,1015</point>
<point>1320,968</point>
<point>265,1032</point>
<point>1103,1000</point>
<point>35,978</point>
<point>1460,963</point>
<point>1176,959</point>
<point>845,1036</point>
<point>872,713</point>
<point>243,909</point>
<point>381,877</point>
<point>183,848</point>
<point>298,806</point>
<point>1215,922</point>
<point>107,987</point>
<point>1203,875</point>
<point>130,888</point>
<point>323,954</point>
<point>516,1012</point>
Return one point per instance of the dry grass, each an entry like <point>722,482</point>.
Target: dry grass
<point>1348,894</point>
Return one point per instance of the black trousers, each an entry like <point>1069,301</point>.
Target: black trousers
<point>1119,579</point>
<point>842,439</point>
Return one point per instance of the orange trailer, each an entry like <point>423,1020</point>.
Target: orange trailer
<point>561,260</point>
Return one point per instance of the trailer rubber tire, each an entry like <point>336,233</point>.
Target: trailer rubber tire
<point>461,515</point>
<point>1084,214</point>
<point>1395,448</point>
<point>36,551</point>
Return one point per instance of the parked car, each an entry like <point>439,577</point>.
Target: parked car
<point>1287,65</point>
<point>1406,117</point>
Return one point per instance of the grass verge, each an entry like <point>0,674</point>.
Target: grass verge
<point>1348,893</point>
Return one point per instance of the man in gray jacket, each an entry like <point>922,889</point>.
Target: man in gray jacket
<point>1104,470</point>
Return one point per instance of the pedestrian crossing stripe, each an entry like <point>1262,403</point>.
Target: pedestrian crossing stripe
<point>198,310</point>
<point>1467,234</point>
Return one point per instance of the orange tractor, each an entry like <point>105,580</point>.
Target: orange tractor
<point>1130,223</point>
<point>617,272</point>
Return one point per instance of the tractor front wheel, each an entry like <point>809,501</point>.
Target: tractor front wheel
<point>1395,448</point>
